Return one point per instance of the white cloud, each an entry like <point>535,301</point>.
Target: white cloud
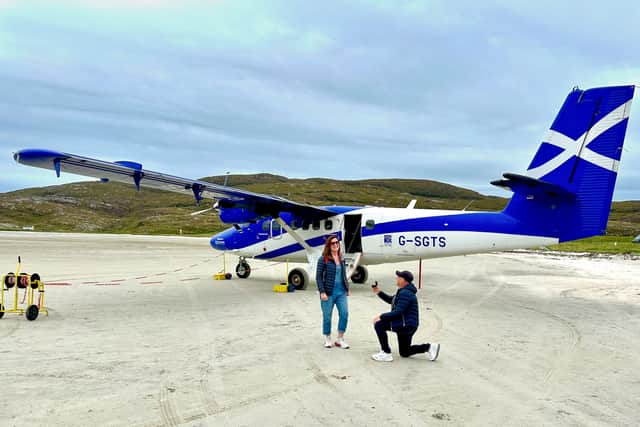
<point>463,90</point>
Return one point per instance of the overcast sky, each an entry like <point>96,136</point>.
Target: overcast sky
<point>458,92</point>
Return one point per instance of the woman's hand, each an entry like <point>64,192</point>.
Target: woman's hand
<point>323,296</point>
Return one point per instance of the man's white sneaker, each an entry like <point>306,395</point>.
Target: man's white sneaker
<point>434,349</point>
<point>382,357</point>
<point>327,341</point>
<point>341,343</point>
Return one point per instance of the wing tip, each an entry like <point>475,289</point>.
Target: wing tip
<point>31,155</point>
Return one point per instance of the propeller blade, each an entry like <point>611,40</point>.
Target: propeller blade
<point>201,212</point>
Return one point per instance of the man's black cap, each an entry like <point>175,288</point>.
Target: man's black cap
<point>406,275</point>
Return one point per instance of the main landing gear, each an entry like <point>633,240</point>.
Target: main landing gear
<point>299,278</point>
<point>243,269</point>
<point>360,275</point>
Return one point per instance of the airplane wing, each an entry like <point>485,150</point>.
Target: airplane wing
<point>133,173</point>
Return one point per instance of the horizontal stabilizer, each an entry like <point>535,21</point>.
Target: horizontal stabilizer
<point>528,186</point>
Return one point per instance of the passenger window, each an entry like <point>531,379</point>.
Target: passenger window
<point>294,224</point>
<point>265,226</point>
<point>370,224</point>
<point>316,225</point>
<point>305,225</point>
<point>275,226</point>
<point>328,224</point>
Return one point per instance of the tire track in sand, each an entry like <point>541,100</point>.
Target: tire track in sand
<point>569,349</point>
<point>168,410</point>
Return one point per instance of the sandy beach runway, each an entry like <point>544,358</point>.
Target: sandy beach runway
<point>140,335</point>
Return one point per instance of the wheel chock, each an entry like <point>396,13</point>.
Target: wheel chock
<point>281,287</point>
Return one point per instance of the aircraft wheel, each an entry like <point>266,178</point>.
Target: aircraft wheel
<point>360,275</point>
<point>298,278</point>
<point>32,312</point>
<point>243,270</point>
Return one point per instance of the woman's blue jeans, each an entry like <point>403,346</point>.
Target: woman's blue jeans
<point>339,301</point>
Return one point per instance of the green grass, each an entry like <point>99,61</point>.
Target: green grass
<point>601,244</point>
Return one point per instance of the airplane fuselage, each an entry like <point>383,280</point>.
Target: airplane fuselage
<point>385,235</point>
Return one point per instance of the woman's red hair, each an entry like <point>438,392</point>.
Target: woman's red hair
<point>326,252</point>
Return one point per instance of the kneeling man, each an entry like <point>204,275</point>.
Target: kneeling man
<point>403,319</point>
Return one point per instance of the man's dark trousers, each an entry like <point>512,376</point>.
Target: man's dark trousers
<point>404,340</point>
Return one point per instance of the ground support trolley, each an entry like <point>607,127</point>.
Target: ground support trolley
<point>12,284</point>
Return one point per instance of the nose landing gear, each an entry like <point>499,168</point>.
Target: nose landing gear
<point>243,269</point>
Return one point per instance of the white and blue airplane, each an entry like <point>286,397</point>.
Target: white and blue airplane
<point>564,195</point>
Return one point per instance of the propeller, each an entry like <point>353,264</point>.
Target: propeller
<point>215,206</point>
<point>201,212</point>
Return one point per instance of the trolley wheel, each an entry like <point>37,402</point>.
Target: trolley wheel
<point>243,270</point>
<point>35,278</point>
<point>1,311</point>
<point>32,312</point>
<point>23,280</point>
<point>228,276</point>
<point>10,280</point>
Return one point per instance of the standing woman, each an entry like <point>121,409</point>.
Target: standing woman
<point>331,277</point>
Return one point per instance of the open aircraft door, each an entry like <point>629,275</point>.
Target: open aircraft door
<point>352,234</point>
<point>352,237</point>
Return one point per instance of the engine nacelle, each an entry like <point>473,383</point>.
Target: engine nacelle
<point>237,215</point>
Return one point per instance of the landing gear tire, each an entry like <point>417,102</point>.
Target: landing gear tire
<point>32,312</point>
<point>299,278</point>
<point>360,275</point>
<point>243,270</point>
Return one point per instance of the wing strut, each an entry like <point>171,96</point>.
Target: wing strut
<point>295,236</point>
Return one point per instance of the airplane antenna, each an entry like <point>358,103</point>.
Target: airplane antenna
<point>226,179</point>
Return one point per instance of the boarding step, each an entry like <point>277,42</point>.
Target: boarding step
<point>352,260</point>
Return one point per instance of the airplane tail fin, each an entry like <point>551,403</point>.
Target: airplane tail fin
<point>568,187</point>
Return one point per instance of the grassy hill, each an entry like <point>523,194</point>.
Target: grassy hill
<point>119,208</point>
